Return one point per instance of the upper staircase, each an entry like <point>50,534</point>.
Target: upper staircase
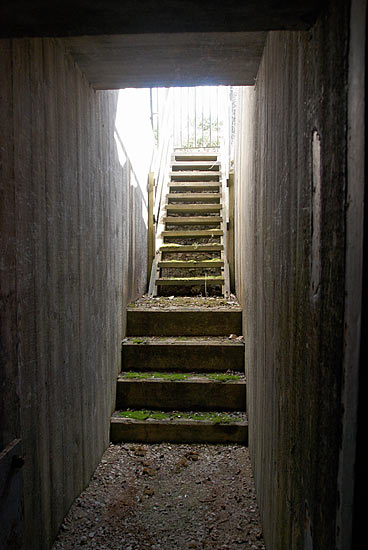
<point>191,252</point>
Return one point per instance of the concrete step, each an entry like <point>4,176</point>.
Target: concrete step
<point>187,208</point>
<point>192,197</point>
<point>185,186</point>
<point>190,264</point>
<point>192,220</point>
<point>195,156</point>
<point>215,247</point>
<point>178,430</point>
<point>183,322</point>
<point>190,394</point>
<point>190,281</point>
<point>193,233</point>
<point>200,175</point>
<point>183,354</point>
<point>198,165</point>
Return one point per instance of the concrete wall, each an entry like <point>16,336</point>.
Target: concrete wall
<point>67,248</point>
<point>290,243</point>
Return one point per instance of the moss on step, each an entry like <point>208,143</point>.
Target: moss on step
<point>174,376</point>
<point>161,375</point>
<point>213,417</point>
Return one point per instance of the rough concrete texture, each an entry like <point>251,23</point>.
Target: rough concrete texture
<point>170,59</point>
<point>186,395</point>
<point>291,178</point>
<point>66,241</point>
<point>183,322</point>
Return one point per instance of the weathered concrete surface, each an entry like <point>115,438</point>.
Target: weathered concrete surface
<point>78,18</point>
<point>184,431</point>
<point>186,395</point>
<point>183,322</point>
<point>291,181</point>
<point>170,59</point>
<point>65,244</point>
<point>188,355</point>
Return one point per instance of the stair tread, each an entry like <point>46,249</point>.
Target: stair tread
<point>193,207</point>
<point>187,281</point>
<point>193,233</point>
<point>196,378</point>
<point>178,431</point>
<point>209,341</point>
<point>215,247</point>
<point>194,185</point>
<point>195,156</point>
<point>192,220</point>
<point>181,417</point>
<point>193,175</point>
<point>194,196</point>
<point>190,264</point>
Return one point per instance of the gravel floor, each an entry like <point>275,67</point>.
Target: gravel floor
<point>167,497</point>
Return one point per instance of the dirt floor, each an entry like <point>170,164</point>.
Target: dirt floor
<point>167,497</point>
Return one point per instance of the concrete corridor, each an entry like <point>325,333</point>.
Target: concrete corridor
<point>73,227</point>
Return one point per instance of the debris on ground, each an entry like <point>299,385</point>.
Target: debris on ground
<point>166,497</point>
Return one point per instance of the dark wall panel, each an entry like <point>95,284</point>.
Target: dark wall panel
<point>291,166</point>
<point>64,274</point>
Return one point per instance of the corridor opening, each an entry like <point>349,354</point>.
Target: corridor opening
<point>66,243</point>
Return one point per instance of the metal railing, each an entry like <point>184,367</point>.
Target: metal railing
<point>200,115</point>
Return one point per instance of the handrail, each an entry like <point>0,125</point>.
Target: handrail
<point>158,181</point>
<point>161,159</point>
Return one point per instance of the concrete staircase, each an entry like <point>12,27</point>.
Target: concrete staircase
<point>191,254</point>
<point>183,377</point>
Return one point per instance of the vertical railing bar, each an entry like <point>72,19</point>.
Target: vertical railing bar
<point>181,117</point>
<point>188,117</point>
<point>174,126</point>
<point>202,118</point>
<point>210,98</point>
<point>195,117</point>
<point>217,115</point>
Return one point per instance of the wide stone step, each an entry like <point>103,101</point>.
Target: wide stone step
<point>183,322</point>
<point>177,430</point>
<point>192,197</point>
<point>185,186</point>
<point>211,247</point>
<point>192,220</point>
<point>190,394</point>
<point>188,208</point>
<point>199,175</point>
<point>183,354</point>
<point>190,264</point>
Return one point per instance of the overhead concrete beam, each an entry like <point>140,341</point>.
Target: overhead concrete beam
<point>183,59</point>
<point>21,18</point>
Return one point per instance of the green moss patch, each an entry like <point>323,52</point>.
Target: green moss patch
<point>214,417</point>
<point>174,376</point>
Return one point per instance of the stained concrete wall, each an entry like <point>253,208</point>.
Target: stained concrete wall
<point>290,242</point>
<point>67,248</point>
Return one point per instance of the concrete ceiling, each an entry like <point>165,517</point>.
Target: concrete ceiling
<point>138,43</point>
<point>183,59</point>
